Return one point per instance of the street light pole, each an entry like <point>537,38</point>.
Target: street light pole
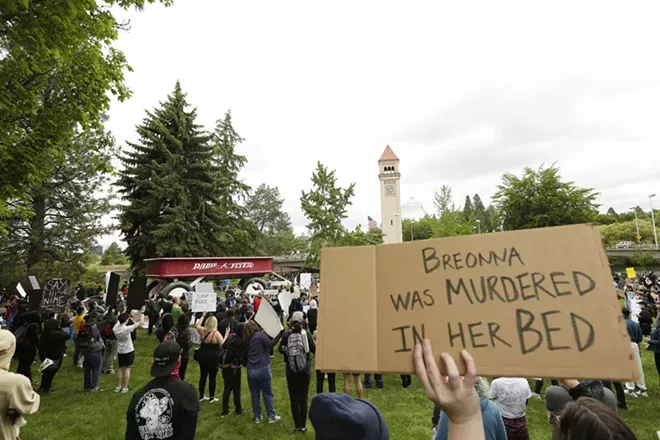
<point>479,225</point>
<point>636,223</point>
<point>655,233</point>
<point>412,237</point>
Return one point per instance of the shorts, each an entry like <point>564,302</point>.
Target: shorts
<point>126,360</point>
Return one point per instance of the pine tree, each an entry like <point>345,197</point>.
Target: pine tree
<point>468,209</point>
<point>172,183</point>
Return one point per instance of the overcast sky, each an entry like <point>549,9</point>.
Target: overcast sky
<point>463,91</point>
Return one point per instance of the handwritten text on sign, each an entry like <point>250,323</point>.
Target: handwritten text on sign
<point>533,330</point>
<point>55,295</point>
<point>203,302</point>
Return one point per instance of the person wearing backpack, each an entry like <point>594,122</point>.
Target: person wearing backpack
<point>125,349</point>
<point>153,312</point>
<point>110,353</point>
<point>235,357</point>
<point>91,347</point>
<point>296,346</point>
<point>27,342</point>
<point>208,355</point>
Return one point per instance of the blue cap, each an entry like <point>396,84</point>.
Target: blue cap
<point>339,417</point>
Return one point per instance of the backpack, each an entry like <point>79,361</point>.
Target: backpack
<point>172,335</point>
<point>160,331</point>
<point>107,331</point>
<point>86,337</point>
<point>21,335</point>
<point>295,352</point>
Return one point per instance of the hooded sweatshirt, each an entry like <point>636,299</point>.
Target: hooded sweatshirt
<point>493,423</point>
<point>16,393</point>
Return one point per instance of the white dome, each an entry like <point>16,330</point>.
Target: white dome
<point>412,209</point>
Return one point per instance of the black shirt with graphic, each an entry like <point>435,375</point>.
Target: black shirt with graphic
<point>164,409</point>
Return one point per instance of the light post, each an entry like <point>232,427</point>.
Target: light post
<point>655,233</point>
<point>479,225</point>
<point>412,237</point>
<point>636,223</point>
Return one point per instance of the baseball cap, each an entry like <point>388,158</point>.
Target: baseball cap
<point>297,317</point>
<point>166,357</point>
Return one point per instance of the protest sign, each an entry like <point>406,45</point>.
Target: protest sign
<point>630,271</point>
<point>55,295</point>
<point>204,288</point>
<point>285,299</point>
<point>313,291</point>
<point>33,282</point>
<point>203,302</point>
<point>21,291</point>
<point>112,289</point>
<point>137,293</point>
<point>531,303</point>
<point>34,299</point>
<point>267,318</point>
<point>305,280</point>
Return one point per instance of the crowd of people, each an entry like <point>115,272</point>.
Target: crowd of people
<point>229,341</point>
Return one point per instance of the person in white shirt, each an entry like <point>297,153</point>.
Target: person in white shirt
<point>125,350</point>
<point>510,395</point>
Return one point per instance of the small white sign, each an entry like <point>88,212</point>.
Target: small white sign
<point>204,288</point>
<point>34,282</point>
<point>285,300</point>
<point>21,291</point>
<point>305,280</point>
<point>203,302</point>
<point>267,318</point>
<point>305,309</point>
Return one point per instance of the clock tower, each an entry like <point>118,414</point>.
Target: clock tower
<point>390,197</point>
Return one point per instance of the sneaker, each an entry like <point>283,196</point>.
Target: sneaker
<point>536,396</point>
<point>303,430</point>
<point>118,389</point>
<point>124,390</point>
<point>213,400</point>
<point>435,431</point>
<point>631,394</point>
<point>257,420</point>
<point>204,399</point>
<point>225,414</point>
<point>238,413</point>
<point>274,419</point>
<point>643,394</point>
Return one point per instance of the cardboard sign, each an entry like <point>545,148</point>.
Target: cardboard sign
<point>137,293</point>
<point>112,289</point>
<point>313,291</point>
<point>532,303</point>
<point>55,295</point>
<point>34,299</point>
<point>630,271</point>
<point>267,318</point>
<point>33,282</point>
<point>203,302</point>
<point>21,291</point>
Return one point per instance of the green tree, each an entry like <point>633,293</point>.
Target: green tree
<point>468,209</point>
<point>113,255</point>
<point>180,199</point>
<point>643,257</point>
<point>421,229</point>
<point>626,231</point>
<point>612,213</point>
<point>264,208</point>
<point>540,198</point>
<point>59,67</point>
<point>358,237</point>
<point>325,206</point>
<point>604,219</point>
<point>450,221</point>
<point>237,234</point>
<point>65,211</point>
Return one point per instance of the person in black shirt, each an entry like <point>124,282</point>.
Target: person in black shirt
<point>52,345</point>
<point>167,407</point>
<point>229,321</point>
<point>27,348</point>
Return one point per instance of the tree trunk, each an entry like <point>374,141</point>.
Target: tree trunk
<point>35,251</point>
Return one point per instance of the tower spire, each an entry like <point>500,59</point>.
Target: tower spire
<point>388,154</point>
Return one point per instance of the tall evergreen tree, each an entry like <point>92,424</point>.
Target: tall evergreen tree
<point>176,186</point>
<point>468,208</point>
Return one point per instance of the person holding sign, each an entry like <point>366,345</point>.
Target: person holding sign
<point>296,346</point>
<point>208,355</point>
<point>260,378</point>
<point>125,349</point>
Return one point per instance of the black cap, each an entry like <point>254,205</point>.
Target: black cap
<point>166,357</point>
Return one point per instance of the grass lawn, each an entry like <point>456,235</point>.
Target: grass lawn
<point>70,413</point>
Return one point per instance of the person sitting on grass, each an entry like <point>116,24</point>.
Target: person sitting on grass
<point>166,408</point>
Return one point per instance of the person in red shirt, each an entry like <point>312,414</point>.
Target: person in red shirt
<point>257,302</point>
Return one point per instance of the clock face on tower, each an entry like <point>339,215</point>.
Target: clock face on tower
<point>390,189</point>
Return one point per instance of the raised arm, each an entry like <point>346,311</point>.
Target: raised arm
<point>455,396</point>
